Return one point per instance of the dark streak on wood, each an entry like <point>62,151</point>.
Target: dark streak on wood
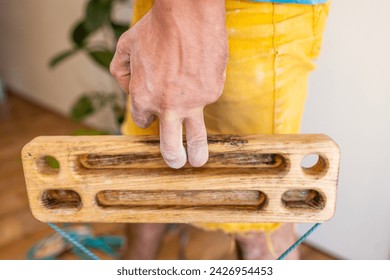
<point>241,158</point>
<point>97,160</point>
<point>233,140</point>
<point>152,142</point>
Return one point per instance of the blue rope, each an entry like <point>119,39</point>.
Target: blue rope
<point>74,241</point>
<point>94,257</point>
<point>299,241</point>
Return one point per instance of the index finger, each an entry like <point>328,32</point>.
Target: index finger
<point>171,140</point>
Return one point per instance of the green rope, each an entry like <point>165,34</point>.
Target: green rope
<point>106,243</point>
<point>74,241</point>
<point>298,242</point>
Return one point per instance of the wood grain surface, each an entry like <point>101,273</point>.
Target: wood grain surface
<point>256,178</point>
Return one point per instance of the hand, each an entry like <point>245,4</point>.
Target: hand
<point>172,63</point>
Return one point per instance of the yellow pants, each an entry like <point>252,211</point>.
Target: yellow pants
<point>271,52</point>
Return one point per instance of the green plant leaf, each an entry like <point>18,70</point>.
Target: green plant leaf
<point>61,56</point>
<point>98,12</point>
<point>79,34</point>
<point>119,29</point>
<point>52,162</point>
<point>102,57</point>
<point>82,109</point>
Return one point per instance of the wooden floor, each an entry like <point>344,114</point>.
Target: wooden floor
<point>21,121</point>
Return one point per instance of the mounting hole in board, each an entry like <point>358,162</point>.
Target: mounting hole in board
<point>48,165</point>
<point>314,165</point>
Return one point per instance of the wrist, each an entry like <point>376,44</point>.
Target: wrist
<point>195,11</point>
<point>198,4</point>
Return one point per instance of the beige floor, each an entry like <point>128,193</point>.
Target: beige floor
<point>20,121</point>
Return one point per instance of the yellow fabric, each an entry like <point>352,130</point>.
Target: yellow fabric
<point>271,52</point>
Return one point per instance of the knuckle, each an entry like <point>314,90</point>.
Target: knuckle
<point>139,119</point>
<point>141,123</point>
<point>113,69</point>
<point>121,48</point>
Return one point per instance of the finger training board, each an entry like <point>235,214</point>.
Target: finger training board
<point>258,178</point>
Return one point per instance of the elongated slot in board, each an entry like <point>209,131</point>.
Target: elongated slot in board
<point>182,199</point>
<point>303,199</point>
<point>216,160</point>
<point>61,199</point>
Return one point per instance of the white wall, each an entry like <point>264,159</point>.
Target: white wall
<point>349,100</point>
<point>31,33</point>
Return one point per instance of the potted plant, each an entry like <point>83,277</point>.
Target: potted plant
<point>98,18</point>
